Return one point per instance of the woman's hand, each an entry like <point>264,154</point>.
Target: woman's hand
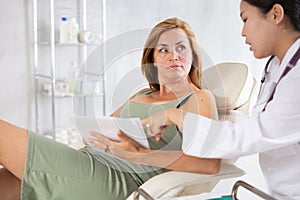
<point>117,148</point>
<point>128,144</point>
<point>157,123</point>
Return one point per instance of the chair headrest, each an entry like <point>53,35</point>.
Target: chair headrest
<point>231,84</point>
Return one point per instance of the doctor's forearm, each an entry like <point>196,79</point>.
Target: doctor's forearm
<point>176,116</point>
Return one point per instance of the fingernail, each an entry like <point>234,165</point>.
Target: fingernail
<point>145,127</point>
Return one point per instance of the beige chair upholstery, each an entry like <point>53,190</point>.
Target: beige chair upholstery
<point>233,86</point>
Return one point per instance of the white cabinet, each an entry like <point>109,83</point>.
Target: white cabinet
<point>58,65</point>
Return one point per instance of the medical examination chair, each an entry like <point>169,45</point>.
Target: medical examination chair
<point>233,87</point>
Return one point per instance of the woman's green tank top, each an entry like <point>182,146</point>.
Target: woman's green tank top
<point>172,138</point>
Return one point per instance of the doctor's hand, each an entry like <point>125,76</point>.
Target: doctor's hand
<point>157,123</point>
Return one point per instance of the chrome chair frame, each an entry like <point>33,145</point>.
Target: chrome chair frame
<point>236,186</point>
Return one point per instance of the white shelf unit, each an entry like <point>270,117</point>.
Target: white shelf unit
<point>53,104</point>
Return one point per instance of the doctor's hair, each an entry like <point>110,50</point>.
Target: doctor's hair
<point>148,68</point>
<point>291,8</point>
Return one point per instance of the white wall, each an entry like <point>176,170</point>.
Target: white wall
<point>16,93</point>
<point>215,22</point>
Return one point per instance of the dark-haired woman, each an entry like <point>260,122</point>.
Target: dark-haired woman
<point>271,29</point>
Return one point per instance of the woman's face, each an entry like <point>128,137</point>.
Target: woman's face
<point>173,55</point>
<point>257,29</point>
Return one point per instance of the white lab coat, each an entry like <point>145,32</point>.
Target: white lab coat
<point>274,133</point>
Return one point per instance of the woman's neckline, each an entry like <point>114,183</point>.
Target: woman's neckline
<point>164,102</point>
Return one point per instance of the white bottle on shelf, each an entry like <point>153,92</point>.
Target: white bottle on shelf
<point>72,76</point>
<point>63,30</point>
<point>74,30</point>
<point>68,30</point>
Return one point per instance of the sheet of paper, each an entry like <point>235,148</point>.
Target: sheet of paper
<point>108,126</point>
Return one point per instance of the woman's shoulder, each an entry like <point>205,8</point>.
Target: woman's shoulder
<point>204,94</point>
<point>202,102</point>
<point>198,96</point>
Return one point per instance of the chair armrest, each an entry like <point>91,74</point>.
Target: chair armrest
<point>159,185</point>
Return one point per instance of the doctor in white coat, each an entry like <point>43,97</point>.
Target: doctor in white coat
<point>271,28</point>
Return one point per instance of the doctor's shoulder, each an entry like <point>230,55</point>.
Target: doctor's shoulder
<point>202,102</point>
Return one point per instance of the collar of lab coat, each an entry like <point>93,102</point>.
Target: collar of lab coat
<point>276,68</point>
